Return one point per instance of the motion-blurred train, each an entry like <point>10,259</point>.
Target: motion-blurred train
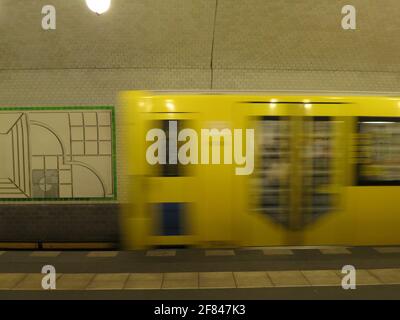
<point>326,169</point>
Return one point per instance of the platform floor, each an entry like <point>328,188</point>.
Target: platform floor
<point>247,273</point>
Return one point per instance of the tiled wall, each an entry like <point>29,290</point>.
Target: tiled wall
<point>197,44</point>
<point>51,222</point>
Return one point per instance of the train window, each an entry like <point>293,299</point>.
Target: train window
<point>317,158</point>
<point>170,168</point>
<point>378,157</point>
<point>270,185</point>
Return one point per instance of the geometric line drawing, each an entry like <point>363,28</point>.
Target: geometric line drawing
<point>54,153</point>
<point>14,148</point>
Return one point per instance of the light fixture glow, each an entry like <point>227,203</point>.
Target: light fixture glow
<point>308,106</point>
<point>170,105</point>
<point>98,6</point>
<point>272,104</point>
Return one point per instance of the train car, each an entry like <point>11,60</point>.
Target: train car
<point>261,169</point>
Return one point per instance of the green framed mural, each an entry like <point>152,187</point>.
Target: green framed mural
<point>57,153</point>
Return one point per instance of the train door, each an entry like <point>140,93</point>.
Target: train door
<point>176,203</point>
<point>165,193</point>
<point>319,168</point>
<point>294,179</point>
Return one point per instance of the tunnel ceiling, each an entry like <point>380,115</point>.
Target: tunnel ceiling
<point>251,34</point>
<point>194,44</point>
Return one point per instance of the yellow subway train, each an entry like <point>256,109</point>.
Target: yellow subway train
<point>261,169</point>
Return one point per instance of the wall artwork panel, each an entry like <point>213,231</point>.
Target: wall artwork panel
<point>57,153</point>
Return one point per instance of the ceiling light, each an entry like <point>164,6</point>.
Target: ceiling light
<point>98,6</point>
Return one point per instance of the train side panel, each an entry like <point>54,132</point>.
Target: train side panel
<point>307,188</point>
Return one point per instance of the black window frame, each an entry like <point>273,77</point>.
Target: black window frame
<point>359,180</point>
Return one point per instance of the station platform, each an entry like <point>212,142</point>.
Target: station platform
<point>245,273</point>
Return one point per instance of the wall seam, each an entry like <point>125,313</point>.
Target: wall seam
<point>212,46</point>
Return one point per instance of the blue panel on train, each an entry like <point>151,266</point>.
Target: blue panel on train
<point>172,219</point>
